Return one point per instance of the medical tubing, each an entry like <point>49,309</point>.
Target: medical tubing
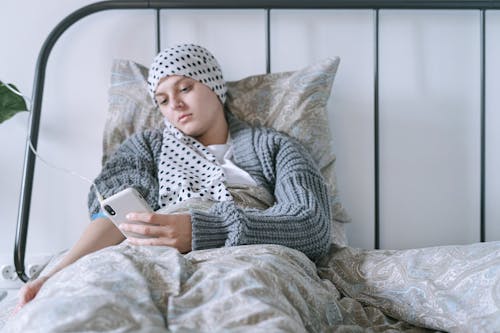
<point>28,140</point>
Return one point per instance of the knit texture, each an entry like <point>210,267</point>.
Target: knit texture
<point>299,219</point>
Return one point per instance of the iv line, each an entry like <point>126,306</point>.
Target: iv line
<point>28,140</point>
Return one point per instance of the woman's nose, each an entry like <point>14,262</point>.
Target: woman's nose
<point>176,103</point>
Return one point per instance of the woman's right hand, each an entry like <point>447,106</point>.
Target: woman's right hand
<point>98,235</point>
<point>29,291</point>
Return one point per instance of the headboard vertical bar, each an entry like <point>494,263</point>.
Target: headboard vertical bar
<point>268,40</point>
<point>158,31</point>
<point>483,126</point>
<point>376,132</point>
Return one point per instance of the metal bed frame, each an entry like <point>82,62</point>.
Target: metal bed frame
<point>267,5</point>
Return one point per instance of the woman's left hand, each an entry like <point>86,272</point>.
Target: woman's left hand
<point>166,229</point>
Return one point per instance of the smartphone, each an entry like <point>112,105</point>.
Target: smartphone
<point>120,204</point>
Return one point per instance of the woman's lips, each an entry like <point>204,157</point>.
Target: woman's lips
<point>183,117</point>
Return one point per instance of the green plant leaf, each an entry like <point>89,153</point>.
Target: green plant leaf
<point>10,102</point>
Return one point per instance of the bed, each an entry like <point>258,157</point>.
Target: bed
<point>453,288</point>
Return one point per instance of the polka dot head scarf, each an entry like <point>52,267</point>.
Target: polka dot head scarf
<point>188,60</point>
<point>188,170</point>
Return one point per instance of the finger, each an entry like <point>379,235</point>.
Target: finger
<point>25,294</point>
<point>140,216</point>
<point>150,241</point>
<point>158,219</point>
<point>152,218</point>
<point>16,309</point>
<point>146,230</point>
<point>22,302</point>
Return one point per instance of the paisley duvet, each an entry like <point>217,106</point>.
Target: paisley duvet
<point>270,288</point>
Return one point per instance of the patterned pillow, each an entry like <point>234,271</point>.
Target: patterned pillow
<point>446,288</point>
<point>291,102</point>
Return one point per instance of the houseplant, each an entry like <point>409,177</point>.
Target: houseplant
<point>11,101</point>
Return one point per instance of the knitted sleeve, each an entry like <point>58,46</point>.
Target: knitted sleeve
<point>300,218</point>
<point>132,165</point>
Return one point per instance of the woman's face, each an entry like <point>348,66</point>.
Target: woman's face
<point>193,108</point>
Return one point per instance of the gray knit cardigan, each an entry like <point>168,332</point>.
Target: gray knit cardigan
<point>299,219</point>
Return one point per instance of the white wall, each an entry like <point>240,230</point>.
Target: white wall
<point>429,121</point>
<point>430,127</point>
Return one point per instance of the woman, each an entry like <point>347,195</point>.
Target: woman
<point>212,179</point>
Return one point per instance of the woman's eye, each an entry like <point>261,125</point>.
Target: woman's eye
<point>163,101</point>
<point>186,89</point>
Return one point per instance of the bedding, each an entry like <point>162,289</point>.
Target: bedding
<point>271,288</point>
<point>142,289</point>
<point>451,288</point>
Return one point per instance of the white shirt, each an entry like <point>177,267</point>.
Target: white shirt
<point>234,174</point>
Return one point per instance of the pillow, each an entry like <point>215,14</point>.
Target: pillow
<point>291,102</point>
<point>446,288</point>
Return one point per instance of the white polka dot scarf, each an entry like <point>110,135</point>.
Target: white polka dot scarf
<point>188,60</point>
<point>187,170</point>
